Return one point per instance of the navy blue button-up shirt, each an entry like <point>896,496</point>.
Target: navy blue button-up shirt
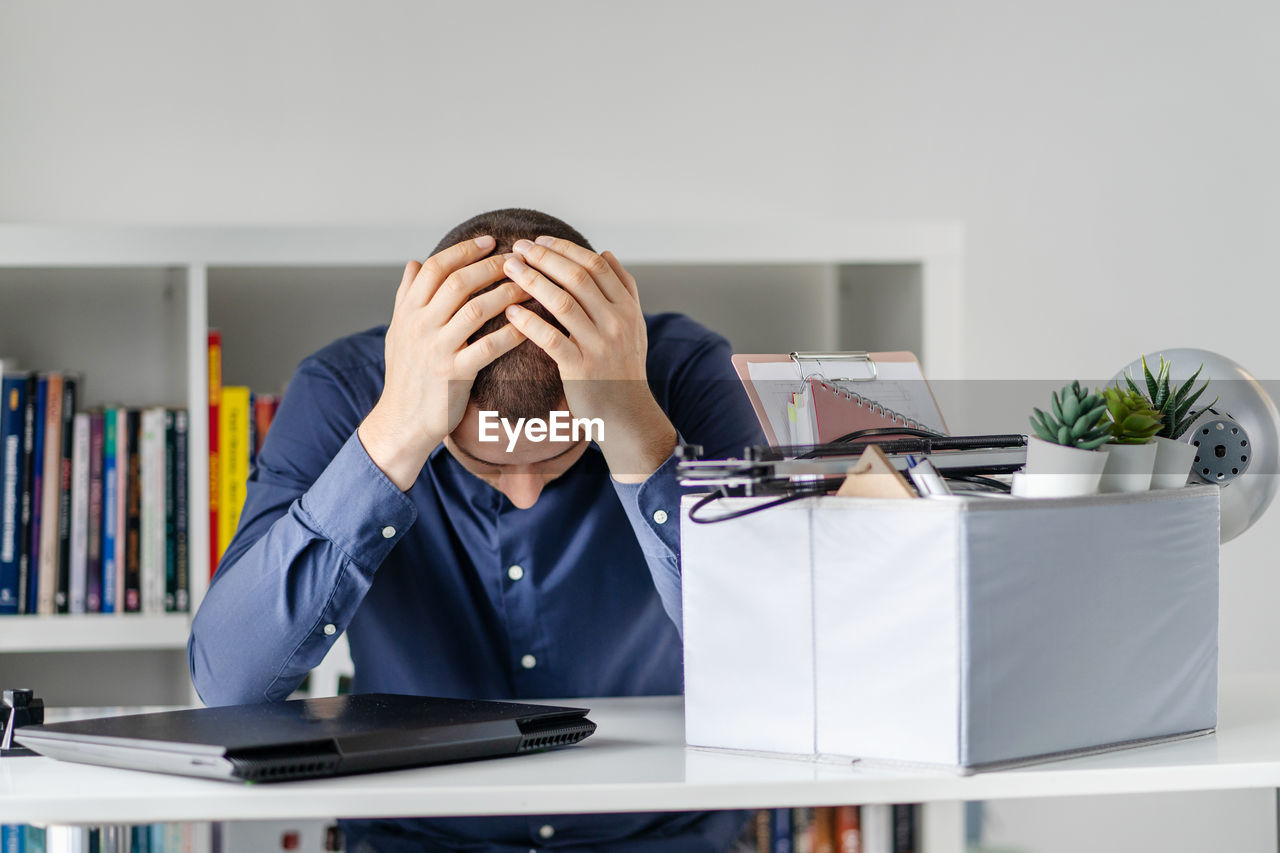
<point>425,582</point>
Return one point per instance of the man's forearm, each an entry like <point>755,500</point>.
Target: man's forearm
<point>636,444</point>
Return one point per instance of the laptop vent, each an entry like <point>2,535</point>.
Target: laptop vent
<point>281,769</point>
<point>552,739</point>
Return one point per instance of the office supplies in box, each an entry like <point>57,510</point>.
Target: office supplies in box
<point>965,632</point>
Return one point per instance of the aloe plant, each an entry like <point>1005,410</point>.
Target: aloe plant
<point>1174,405</point>
<point>1077,420</point>
<point>1130,417</point>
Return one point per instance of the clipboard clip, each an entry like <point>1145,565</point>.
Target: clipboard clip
<point>859,357</point>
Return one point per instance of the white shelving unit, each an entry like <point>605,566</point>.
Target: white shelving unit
<point>130,307</point>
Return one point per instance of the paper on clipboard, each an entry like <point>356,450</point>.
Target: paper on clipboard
<point>777,388</point>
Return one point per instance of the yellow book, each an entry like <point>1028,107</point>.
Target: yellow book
<point>233,460</point>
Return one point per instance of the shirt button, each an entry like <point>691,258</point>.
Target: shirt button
<point>660,516</point>
<point>388,532</point>
<point>528,661</point>
<point>515,573</point>
<point>547,830</point>
<point>330,630</point>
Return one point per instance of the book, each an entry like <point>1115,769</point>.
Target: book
<point>781,827</point>
<point>904,829</point>
<point>181,472</point>
<point>233,458</point>
<point>215,462</point>
<point>802,830</point>
<point>49,500</point>
<point>877,829</point>
<point>824,830</point>
<point>170,526</point>
<point>62,598</point>
<point>13,405</point>
<point>848,829</point>
<point>133,513</point>
<point>123,478</point>
<point>152,516</point>
<point>264,412</point>
<point>35,497</point>
<point>93,537</point>
<point>78,584</point>
<point>24,508</point>
<point>110,510</point>
<point>763,824</point>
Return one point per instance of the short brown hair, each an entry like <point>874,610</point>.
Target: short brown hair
<point>525,382</point>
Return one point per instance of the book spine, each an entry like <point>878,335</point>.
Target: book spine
<point>764,831</point>
<point>133,514</point>
<point>824,830</point>
<point>169,545</point>
<point>848,829</point>
<point>35,467</point>
<point>234,459</point>
<point>110,506</point>
<point>215,462</point>
<point>12,838</point>
<point>182,558</point>
<point>151,465</point>
<point>122,503</point>
<point>93,542</point>
<point>783,829</point>
<point>252,443</point>
<point>49,500</point>
<point>802,830</point>
<point>62,601</point>
<point>877,829</point>
<point>264,412</point>
<point>904,829</point>
<point>13,405</point>
<point>79,583</point>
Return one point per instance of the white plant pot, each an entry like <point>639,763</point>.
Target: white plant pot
<point>1173,463</point>
<point>1055,471</point>
<point>1128,468</point>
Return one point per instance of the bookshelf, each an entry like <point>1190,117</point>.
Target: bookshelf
<point>129,308</point>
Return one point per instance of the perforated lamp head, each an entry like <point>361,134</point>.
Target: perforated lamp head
<point>1237,440</point>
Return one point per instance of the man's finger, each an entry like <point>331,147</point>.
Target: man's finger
<point>554,298</point>
<point>477,311</point>
<point>410,273</point>
<point>548,337</point>
<point>442,264</point>
<point>482,352</point>
<point>454,292</point>
<point>602,272</point>
<point>627,278</point>
<point>583,282</point>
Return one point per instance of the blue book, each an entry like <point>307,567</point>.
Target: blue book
<point>13,406</point>
<point>37,490</point>
<point>782,831</point>
<point>110,506</point>
<point>13,839</point>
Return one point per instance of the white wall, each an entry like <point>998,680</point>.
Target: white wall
<point>1114,164</point>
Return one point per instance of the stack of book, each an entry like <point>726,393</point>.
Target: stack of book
<point>93,505</point>
<point>150,838</point>
<point>238,423</point>
<point>834,829</point>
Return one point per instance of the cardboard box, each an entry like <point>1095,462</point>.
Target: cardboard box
<point>965,632</point>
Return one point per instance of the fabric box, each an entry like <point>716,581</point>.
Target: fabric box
<point>968,632</point>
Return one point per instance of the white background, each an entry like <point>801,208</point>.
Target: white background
<point>1114,166</point>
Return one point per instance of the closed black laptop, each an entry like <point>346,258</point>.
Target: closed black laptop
<point>306,738</point>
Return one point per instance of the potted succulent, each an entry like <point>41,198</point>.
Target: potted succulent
<point>1132,454</point>
<point>1063,457</point>
<point>1173,454</point>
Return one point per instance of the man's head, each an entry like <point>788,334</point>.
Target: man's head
<point>522,383</point>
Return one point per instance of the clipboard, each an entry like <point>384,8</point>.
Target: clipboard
<point>857,390</point>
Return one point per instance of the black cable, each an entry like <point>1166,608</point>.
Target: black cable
<point>877,431</point>
<point>979,480</point>
<point>739,513</point>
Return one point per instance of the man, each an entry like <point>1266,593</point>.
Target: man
<point>462,566</point>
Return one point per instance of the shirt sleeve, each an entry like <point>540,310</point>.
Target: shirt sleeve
<point>319,518</point>
<point>706,403</point>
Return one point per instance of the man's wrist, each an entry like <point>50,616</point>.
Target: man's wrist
<point>397,454</point>
<point>637,446</point>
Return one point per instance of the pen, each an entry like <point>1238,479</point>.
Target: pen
<point>926,478</point>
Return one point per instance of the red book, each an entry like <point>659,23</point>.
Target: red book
<point>848,829</point>
<point>215,400</point>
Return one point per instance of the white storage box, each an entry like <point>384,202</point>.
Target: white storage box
<point>967,632</point>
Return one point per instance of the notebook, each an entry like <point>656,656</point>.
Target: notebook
<point>808,398</point>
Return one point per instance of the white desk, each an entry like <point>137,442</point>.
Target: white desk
<point>637,761</point>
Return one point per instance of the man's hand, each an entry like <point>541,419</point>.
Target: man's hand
<point>430,366</point>
<point>602,359</point>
